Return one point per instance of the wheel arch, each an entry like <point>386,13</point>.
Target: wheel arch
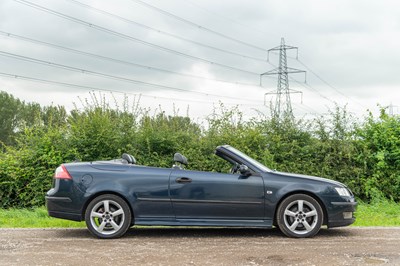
<point>305,192</point>
<point>95,195</point>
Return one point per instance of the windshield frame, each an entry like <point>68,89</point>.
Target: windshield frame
<point>247,158</point>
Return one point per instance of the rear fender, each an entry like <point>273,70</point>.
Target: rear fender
<point>110,188</point>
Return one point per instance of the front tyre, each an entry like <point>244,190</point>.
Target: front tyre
<point>108,216</point>
<point>299,215</point>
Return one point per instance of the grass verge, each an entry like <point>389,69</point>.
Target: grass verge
<point>33,218</point>
<point>382,213</point>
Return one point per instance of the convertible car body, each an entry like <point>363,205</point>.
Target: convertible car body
<point>113,195</point>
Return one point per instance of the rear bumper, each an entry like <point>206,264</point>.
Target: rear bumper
<point>342,214</point>
<point>56,207</point>
<point>65,200</point>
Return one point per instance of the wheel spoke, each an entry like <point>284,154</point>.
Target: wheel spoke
<point>96,215</point>
<point>290,213</point>
<point>311,213</point>
<point>294,225</point>
<point>300,205</point>
<point>114,225</point>
<point>118,212</point>
<point>106,206</point>
<point>306,225</point>
<point>101,227</point>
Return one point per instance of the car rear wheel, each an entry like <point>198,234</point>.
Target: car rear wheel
<point>108,216</point>
<point>299,215</point>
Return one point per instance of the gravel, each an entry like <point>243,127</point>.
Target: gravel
<point>201,246</point>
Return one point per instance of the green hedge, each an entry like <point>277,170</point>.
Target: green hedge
<point>365,156</point>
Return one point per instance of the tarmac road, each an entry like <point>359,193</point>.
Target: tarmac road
<point>200,246</point>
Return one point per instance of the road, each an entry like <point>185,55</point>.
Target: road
<point>200,246</point>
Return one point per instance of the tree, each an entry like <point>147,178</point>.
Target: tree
<point>9,109</point>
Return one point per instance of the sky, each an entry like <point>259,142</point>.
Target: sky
<point>188,57</point>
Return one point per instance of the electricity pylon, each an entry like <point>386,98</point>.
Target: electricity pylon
<point>283,105</point>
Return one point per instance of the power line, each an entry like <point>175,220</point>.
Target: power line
<point>329,85</point>
<point>160,31</point>
<point>227,18</point>
<point>128,37</point>
<point>307,86</point>
<point>305,107</point>
<point>326,83</point>
<point>89,72</point>
<point>87,87</point>
<point>197,25</point>
<point>119,61</point>
<point>45,81</point>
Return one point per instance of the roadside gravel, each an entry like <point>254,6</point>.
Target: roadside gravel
<point>201,246</point>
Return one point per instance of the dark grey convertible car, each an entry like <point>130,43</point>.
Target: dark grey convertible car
<point>111,196</point>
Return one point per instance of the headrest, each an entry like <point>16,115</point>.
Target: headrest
<point>129,158</point>
<point>179,158</point>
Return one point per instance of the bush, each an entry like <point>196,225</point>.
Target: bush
<point>365,156</point>
<point>26,170</point>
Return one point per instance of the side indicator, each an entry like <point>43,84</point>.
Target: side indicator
<point>269,192</point>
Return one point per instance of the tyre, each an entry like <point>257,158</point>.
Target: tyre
<point>108,216</point>
<point>300,215</point>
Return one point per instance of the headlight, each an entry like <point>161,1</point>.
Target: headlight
<point>343,191</point>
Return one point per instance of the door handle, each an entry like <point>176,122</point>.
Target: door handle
<point>183,180</point>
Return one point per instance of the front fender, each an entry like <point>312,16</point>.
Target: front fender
<point>278,191</point>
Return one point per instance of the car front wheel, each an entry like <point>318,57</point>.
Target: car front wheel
<point>108,216</point>
<point>299,215</point>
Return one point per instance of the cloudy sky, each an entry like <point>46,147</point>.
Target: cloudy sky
<point>190,55</point>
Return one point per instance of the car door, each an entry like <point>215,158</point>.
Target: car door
<point>211,195</point>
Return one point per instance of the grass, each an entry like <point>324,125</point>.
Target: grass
<point>382,213</point>
<point>33,218</point>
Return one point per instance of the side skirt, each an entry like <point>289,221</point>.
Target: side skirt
<point>206,222</point>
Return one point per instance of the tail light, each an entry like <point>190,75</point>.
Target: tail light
<point>62,173</point>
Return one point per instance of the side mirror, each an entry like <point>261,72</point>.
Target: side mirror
<point>244,170</point>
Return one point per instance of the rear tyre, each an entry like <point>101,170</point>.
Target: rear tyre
<point>299,215</point>
<point>108,216</point>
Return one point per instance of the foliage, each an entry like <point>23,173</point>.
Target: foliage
<point>378,213</point>
<point>380,144</point>
<point>365,156</point>
<point>8,120</point>
<point>26,170</point>
<point>15,115</point>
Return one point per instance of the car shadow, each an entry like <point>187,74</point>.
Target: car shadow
<point>199,232</point>
<point>206,232</point>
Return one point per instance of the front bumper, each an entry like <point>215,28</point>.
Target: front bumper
<point>342,213</point>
